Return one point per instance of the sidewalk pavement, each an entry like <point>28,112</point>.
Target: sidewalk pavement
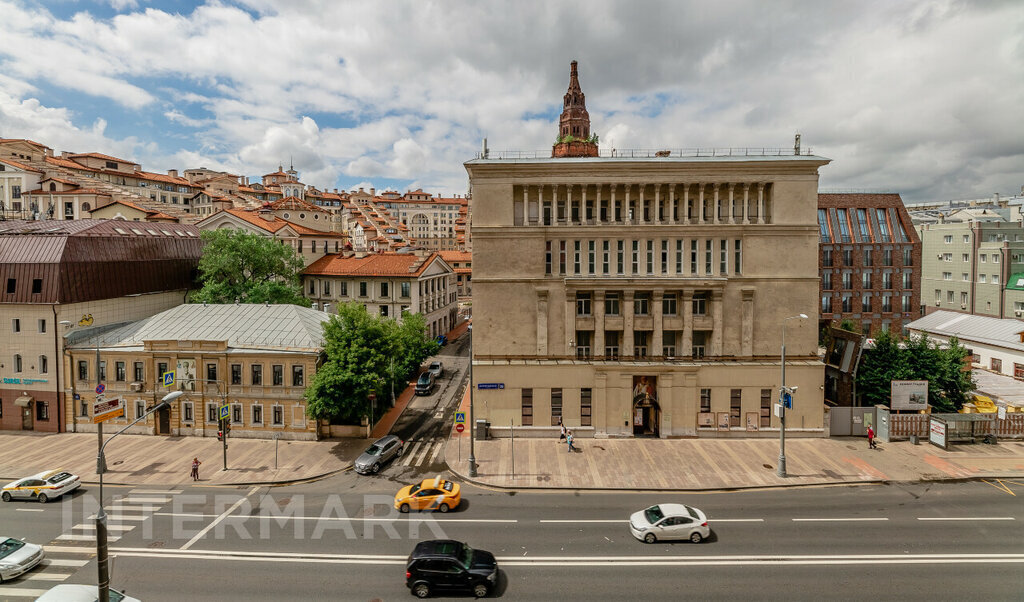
<point>716,464</point>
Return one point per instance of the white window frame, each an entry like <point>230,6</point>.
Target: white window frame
<point>252,414</point>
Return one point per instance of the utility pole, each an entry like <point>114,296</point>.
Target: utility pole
<point>785,393</point>
<point>472,421</point>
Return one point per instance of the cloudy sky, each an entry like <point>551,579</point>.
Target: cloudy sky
<point>922,98</point>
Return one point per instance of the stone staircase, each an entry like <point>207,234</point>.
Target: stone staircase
<point>116,192</point>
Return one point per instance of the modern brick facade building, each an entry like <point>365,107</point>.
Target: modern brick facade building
<point>869,261</point>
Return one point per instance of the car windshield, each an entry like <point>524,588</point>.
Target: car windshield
<point>413,489</point>
<point>692,512</point>
<point>374,450</point>
<point>10,546</point>
<point>425,378</point>
<point>654,514</point>
<point>435,366</point>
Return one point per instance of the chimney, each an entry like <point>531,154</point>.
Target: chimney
<point>483,151</point>
<point>373,191</point>
<point>173,173</point>
<point>327,306</point>
<point>315,306</point>
<point>64,154</point>
<point>361,191</point>
<point>996,198</point>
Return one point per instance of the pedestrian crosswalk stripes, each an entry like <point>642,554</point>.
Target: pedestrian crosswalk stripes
<point>73,549</point>
<point>421,453</point>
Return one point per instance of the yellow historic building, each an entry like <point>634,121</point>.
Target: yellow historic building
<point>644,294</point>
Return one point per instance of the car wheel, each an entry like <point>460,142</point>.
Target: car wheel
<point>398,454</point>
<point>442,508</point>
<point>6,496</point>
<point>480,590</point>
<point>421,590</point>
<point>650,538</point>
<point>42,498</point>
<point>404,508</point>
<point>696,537</point>
<point>376,467</point>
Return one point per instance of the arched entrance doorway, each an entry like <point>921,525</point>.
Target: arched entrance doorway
<point>646,411</point>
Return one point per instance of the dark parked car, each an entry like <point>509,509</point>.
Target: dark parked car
<point>445,565</point>
<point>425,384</point>
<point>378,454</point>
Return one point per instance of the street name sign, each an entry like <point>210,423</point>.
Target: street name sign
<point>490,385</point>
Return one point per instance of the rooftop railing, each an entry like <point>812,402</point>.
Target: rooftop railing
<point>634,153</point>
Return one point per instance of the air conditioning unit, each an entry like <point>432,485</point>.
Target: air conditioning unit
<point>938,303</point>
<point>939,256</point>
<point>1018,312</point>
<point>963,306</point>
<point>136,387</point>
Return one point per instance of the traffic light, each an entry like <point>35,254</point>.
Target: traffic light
<point>220,435</point>
<point>227,427</point>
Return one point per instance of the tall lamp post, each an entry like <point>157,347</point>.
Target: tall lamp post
<point>472,423</point>
<point>102,567</point>
<point>783,392</point>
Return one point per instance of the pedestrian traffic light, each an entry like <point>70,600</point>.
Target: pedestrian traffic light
<point>220,435</point>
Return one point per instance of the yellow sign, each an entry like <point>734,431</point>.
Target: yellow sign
<point>86,320</point>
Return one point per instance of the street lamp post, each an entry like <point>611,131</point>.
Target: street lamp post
<point>102,566</point>
<point>472,422</point>
<point>783,391</point>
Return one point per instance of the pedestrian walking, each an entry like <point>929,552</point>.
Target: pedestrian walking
<point>195,469</point>
<point>561,437</point>
<point>569,439</point>
<point>871,438</point>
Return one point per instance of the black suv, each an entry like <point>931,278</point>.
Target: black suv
<point>447,565</point>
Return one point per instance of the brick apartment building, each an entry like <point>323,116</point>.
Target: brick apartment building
<point>869,261</point>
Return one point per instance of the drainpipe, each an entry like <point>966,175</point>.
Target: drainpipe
<point>975,228</point>
<point>57,353</point>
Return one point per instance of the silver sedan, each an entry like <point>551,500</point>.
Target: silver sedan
<point>17,557</point>
<point>378,454</point>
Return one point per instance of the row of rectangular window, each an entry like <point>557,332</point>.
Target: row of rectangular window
<point>16,325</point>
<point>641,303</point>
<point>671,343</point>
<point>982,278</point>
<point>827,258</point>
<point>256,372</point>
<point>385,289</point>
<point>643,257</point>
<point>19,364</point>
<point>37,286</point>
<point>966,257</point>
<point>867,280</point>
<point>847,303</point>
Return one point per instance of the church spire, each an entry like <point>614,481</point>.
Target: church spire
<point>574,122</point>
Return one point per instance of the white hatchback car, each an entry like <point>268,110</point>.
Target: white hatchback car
<point>669,521</point>
<point>42,487</point>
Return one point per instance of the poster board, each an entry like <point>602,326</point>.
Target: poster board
<point>909,395</point>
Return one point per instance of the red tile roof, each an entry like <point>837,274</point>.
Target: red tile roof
<point>453,256</point>
<point>101,156</point>
<point>67,163</point>
<point>374,264</point>
<point>21,166</point>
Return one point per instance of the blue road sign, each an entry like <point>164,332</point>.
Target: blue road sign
<point>787,400</point>
<point>460,417</point>
<point>225,411</point>
<point>490,385</point>
<point>168,378</point>
<point>100,388</point>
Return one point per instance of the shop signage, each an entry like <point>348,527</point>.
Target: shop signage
<point>24,381</point>
<point>107,408</point>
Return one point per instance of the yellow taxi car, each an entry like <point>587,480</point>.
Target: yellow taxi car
<point>42,487</point>
<point>431,494</point>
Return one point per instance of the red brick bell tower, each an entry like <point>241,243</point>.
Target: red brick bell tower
<point>574,123</point>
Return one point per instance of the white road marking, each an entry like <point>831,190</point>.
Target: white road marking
<point>735,520</point>
<point>125,518</point>
<point>63,561</point>
<point>375,519</point>
<point>35,576</point>
<point>838,520</point>
<point>583,520</point>
<point>437,452</point>
<point>69,550</point>
<point>214,522</point>
<point>145,500</point>
<point>92,527</point>
<point>29,510</point>
<point>409,454</point>
<point>968,518</point>
<point>22,592</point>
<point>155,491</point>
<point>422,455</point>
<point>77,537</point>
<point>739,560</point>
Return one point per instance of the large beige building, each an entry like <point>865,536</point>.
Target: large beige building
<point>646,296</point>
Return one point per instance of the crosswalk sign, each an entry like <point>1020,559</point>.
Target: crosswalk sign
<point>460,417</point>
<point>168,378</point>
<point>225,410</point>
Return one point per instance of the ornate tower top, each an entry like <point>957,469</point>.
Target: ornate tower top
<point>574,123</point>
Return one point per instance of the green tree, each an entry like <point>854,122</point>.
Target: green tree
<point>915,358</point>
<point>360,351</point>
<point>248,267</point>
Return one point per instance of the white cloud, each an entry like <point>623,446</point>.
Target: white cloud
<point>918,97</point>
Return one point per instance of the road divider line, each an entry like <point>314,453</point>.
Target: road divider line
<point>839,520</point>
<point>64,561</point>
<point>585,520</point>
<point>29,510</point>
<point>966,518</point>
<point>217,520</point>
<point>374,519</point>
<point>735,520</point>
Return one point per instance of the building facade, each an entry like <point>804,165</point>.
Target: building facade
<point>869,262</point>
<point>974,267</point>
<point>387,284</point>
<point>218,355</point>
<point>61,277</point>
<point>630,296</point>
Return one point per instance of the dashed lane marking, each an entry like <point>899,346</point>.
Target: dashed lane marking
<point>966,518</point>
<point>839,520</point>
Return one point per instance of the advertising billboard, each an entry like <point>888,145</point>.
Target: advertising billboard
<point>909,395</point>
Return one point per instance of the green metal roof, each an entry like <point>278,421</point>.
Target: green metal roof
<point>1016,282</point>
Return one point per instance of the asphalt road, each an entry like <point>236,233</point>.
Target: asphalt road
<point>339,538</point>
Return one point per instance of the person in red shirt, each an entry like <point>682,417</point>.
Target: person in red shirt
<point>871,438</point>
